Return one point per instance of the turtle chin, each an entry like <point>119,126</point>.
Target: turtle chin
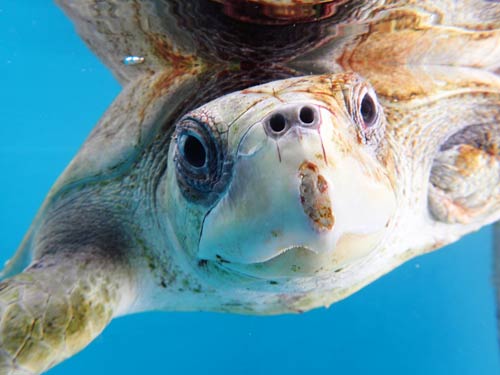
<point>298,204</point>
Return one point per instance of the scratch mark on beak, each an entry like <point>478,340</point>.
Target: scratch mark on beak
<point>322,146</point>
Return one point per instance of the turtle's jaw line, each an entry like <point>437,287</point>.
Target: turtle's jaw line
<point>282,252</point>
<point>258,270</point>
<point>305,261</point>
<point>276,254</point>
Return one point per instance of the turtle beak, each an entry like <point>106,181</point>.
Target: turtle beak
<point>296,186</point>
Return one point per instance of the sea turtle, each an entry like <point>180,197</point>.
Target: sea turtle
<point>363,134</point>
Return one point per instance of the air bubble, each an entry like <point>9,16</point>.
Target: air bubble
<point>133,60</point>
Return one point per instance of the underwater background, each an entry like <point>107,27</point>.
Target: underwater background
<point>433,315</point>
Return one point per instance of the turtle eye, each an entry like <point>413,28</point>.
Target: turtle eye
<point>193,150</point>
<point>198,158</point>
<point>368,110</point>
<point>367,113</point>
<point>197,148</point>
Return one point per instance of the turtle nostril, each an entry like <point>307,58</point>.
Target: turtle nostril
<point>277,123</point>
<point>306,115</point>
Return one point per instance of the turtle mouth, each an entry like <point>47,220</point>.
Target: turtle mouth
<point>293,261</point>
<point>276,255</point>
<point>305,261</point>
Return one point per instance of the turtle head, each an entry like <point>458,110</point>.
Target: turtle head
<point>284,179</point>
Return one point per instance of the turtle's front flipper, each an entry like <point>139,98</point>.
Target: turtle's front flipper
<point>56,307</point>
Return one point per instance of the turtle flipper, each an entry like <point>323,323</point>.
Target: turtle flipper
<point>56,307</point>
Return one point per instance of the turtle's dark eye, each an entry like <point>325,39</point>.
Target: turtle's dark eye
<point>199,159</point>
<point>193,150</point>
<point>368,110</point>
<point>367,114</point>
<point>197,150</point>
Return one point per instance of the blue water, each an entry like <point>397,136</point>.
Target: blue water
<point>434,315</point>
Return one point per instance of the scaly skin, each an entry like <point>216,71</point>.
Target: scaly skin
<point>55,308</point>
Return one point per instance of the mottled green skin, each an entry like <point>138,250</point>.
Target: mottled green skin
<point>54,308</point>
